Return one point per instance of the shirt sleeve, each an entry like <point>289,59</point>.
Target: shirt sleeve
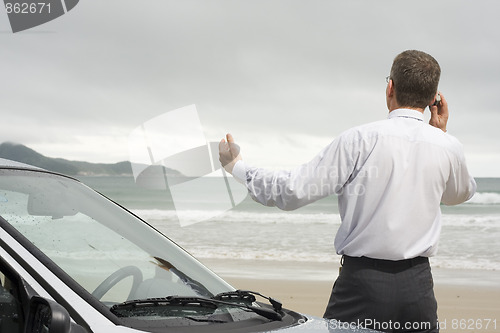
<point>239,172</point>
<point>460,186</point>
<point>324,175</point>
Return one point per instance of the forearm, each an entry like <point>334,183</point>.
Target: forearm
<point>285,189</point>
<point>269,188</point>
<point>322,176</point>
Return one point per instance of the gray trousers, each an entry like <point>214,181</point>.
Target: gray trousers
<point>385,295</point>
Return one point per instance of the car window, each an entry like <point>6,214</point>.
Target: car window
<point>11,314</point>
<point>111,253</point>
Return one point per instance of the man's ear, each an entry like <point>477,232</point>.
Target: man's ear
<point>390,96</point>
<point>390,89</point>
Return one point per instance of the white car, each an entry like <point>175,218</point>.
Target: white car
<point>74,261</point>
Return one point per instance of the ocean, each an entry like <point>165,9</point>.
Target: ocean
<point>251,232</point>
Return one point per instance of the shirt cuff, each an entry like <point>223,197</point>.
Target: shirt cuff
<point>240,172</point>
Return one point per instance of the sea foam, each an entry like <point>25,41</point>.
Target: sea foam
<point>485,198</point>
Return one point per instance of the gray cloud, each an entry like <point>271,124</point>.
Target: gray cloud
<point>290,69</point>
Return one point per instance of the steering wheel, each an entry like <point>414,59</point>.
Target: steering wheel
<point>116,277</point>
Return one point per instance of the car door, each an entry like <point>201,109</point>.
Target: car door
<point>12,316</point>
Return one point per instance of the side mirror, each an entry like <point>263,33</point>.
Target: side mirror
<point>47,316</point>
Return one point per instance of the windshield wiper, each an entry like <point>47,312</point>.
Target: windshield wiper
<point>119,309</point>
<point>248,296</point>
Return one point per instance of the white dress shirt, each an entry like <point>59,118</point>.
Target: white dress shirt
<point>390,177</point>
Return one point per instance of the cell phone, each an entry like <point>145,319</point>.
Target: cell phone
<point>438,99</point>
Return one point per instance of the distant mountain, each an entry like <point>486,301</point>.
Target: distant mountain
<point>23,154</point>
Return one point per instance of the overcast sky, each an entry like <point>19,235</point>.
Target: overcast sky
<point>284,77</point>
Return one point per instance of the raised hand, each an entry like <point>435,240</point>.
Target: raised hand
<point>229,153</point>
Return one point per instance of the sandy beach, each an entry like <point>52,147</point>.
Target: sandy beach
<point>468,301</point>
<point>461,308</point>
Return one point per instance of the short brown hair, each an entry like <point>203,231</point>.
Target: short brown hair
<point>415,75</point>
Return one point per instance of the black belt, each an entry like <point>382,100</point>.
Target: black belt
<point>382,263</point>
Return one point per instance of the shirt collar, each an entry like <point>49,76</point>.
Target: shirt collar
<point>406,113</point>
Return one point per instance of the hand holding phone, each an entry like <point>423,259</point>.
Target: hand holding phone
<point>437,100</point>
<point>439,112</point>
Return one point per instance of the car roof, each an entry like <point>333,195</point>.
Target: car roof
<point>4,163</point>
<point>10,164</point>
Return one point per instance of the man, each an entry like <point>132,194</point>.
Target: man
<point>390,177</point>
